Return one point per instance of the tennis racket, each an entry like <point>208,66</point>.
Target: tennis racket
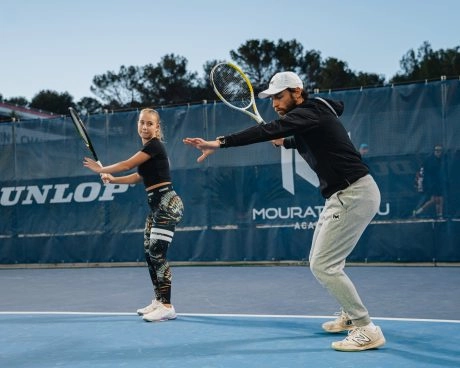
<point>83,132</point>
<point>234,88</point>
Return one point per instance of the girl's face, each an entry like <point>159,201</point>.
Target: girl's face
<point>148,126</point>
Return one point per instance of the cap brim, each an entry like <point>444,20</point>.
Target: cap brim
<point>270,92</point>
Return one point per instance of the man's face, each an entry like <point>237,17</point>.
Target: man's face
<point>283,102</point>
<point>438,151</point>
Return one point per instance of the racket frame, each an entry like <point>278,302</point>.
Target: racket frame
<point>81,129</point>
<point>254,115</point>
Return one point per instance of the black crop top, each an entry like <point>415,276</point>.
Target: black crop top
<point>156,169</point>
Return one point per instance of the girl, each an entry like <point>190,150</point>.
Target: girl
<point>166,208</point>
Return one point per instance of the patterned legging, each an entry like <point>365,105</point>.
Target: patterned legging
<point>166,211</point>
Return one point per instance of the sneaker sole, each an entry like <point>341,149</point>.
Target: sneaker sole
<point>142,313</point>
<point>376,344</point>
<point>160,320</point>
<point>339,330</point>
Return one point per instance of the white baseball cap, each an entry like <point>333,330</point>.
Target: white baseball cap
<point>280,82</point>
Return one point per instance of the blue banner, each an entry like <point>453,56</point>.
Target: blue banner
<point>254,203</point>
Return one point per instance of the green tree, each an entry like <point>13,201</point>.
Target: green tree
<point>335,74</point>
<point>428,64</point>
<point>118,89</point>
<point>168,82</point>
<point>261,59</point>
<point>89,105</point>
<point>52,101</point>
<point>257,59</point>
<point>310,69</point>
<point>20,101</point>
<point>367,79</point>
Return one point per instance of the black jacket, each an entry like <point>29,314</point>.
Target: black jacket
<point>314,129</point>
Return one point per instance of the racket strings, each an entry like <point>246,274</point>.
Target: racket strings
<point>231,85</point>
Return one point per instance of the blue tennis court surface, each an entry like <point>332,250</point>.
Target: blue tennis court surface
<point>125,340</point>
<point>236,317</point>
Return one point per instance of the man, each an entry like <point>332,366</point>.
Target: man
<point>364,152</point>
<point>434,177</point>
<point>363,149</point>
<point>352,197</point>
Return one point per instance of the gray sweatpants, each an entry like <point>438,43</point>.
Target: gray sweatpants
<point>344,218</point>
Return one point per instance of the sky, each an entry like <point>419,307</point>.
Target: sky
<point>61,45</point>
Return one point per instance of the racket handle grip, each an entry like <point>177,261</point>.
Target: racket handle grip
<point>99,162</point>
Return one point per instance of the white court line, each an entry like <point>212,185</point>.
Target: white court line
<point>225,315</point>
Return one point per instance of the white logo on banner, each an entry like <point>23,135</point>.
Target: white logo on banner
<point>300,166</point>
<point>292,163</point>
<point>59,193</point>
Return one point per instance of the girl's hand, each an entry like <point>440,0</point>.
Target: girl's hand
<point>92,165</point>
<point>107,178</point>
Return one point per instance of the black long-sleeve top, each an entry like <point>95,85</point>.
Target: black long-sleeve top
<point>314,129</point>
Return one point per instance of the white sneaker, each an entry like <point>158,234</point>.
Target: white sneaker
<point>361,338</point>
<point>340,324</point>
<point>149,308</point>
<point>161,313</point>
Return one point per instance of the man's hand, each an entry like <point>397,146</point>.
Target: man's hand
<point>278,142</point>
<point>206,147</point>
